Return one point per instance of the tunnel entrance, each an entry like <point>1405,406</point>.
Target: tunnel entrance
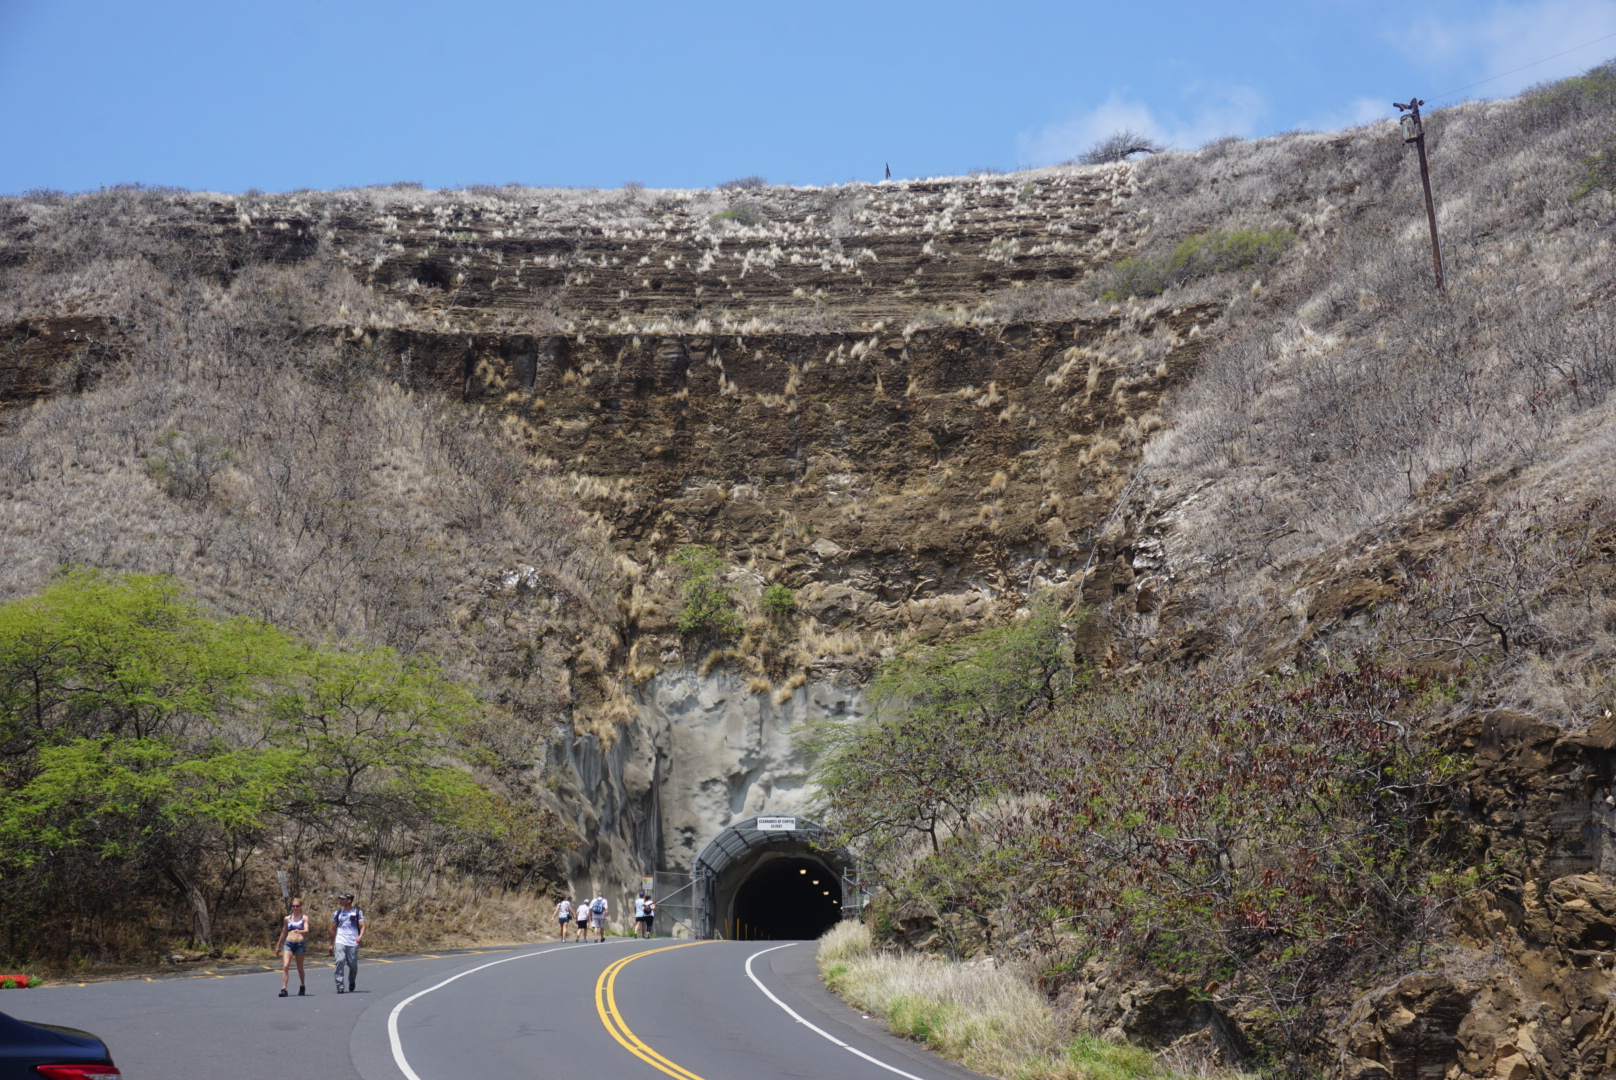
<point>770,878</point>
<point>787,899</point>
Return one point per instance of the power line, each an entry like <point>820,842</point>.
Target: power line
<point>1533,64</point>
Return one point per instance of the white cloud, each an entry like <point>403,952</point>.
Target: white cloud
<point>1498,40</point>
<point>1488,40</point>
<point>1225,111</point>
<point>1359,111</point>
<point>1367,110</point>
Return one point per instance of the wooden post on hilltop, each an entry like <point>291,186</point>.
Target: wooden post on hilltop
<point>1414,132</point>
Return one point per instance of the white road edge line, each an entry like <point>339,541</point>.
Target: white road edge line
<point>798,1017</point>
<point>392,1017</point>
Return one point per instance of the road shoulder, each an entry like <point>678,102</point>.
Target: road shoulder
<point>792,974</point>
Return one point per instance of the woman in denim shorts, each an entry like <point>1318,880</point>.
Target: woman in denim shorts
<point>293,929</point>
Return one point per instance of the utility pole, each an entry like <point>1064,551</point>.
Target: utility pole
<point>1414,132</point>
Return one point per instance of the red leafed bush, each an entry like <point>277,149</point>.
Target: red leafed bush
<point>1260,834</point>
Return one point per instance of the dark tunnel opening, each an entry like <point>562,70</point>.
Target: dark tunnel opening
<point>786,899</point>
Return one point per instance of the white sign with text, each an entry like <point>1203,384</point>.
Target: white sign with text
<point>777,824</point>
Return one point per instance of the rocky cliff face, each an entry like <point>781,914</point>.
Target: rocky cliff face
<point>1528,991</point>
<point>863,393</point>
<point>902,480</point>
<point>910,477</point>
<point>700,752</point>
<point>874,394</point>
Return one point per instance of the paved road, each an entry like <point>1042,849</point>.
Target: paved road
<point>624,1009</point>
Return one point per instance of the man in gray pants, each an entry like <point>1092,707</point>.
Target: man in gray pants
<point>347,931</point>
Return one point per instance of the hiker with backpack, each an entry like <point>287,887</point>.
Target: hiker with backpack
<point>639,915</point>
<point>597,916</point>
<point>644,913</point>
<point>347,931</point>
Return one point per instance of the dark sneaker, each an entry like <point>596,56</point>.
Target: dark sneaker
<point>283,991</point>
<point>340,990</point>
<point>300,991</point>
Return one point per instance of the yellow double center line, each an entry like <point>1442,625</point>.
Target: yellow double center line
<point>606,1005</point>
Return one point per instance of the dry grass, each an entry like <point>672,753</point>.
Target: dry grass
<point>279,476</point>
<point>442,910</point>
<point>83,253</point>
<point>278,480</point>
<point>988,1018</point>
<point>404,912</point>
<point>1341,393</point>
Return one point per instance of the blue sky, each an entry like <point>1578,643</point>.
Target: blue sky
<point>228,96</point>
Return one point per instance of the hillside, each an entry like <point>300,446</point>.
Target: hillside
<point>1210,402</point>
<point>701,390</point>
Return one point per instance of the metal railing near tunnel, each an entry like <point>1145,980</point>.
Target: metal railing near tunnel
<point>674,893</point>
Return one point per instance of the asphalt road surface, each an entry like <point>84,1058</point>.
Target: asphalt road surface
<point>620,1010</point>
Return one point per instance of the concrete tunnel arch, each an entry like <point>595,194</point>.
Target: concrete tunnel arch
<point>771,877</point>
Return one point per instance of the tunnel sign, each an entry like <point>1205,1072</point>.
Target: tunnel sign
<point>777,824</point>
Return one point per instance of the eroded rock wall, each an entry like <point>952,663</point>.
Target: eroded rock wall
<point>702,751</point>
<point>1530,989</point>
<point>916,483</point>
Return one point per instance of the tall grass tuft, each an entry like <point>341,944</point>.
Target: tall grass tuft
<point>987,1018</point>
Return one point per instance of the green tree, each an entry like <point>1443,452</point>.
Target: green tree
<point>147,744</point>
<point>935,744</point>
<point>97,654</point>
<point>709,600</point>
<point>149,801</point>
<point>358,713</point>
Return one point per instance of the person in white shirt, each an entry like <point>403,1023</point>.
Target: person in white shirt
<point>598,909</point>
<point>347,931</point>
<point>640,928</point>
<point>564,916</point>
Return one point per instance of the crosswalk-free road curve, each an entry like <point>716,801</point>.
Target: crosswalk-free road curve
<point>622,1009</point>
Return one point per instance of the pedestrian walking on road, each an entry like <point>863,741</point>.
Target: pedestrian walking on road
<point>564,916</point>
<point>644,912</point>
<point>294,928</point>
<point>347,931</point>
<point>597,916</point>
<point>581,913</point>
